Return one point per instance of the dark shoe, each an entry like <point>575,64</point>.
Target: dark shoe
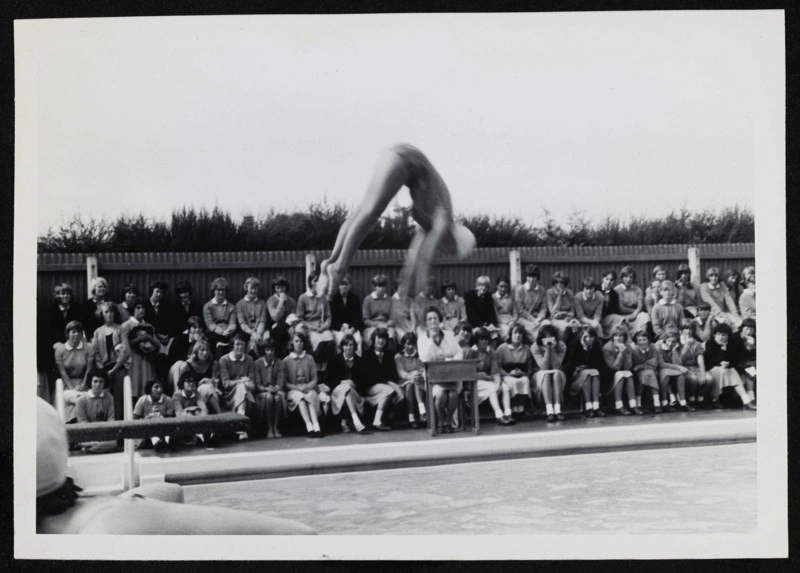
<point>657,410</point>
<point>160,446</point>
<point>382,427</point>
<point>414,425</point>
<point>749,406</point>
<point>670,408</point>
<point>560,417</point>
<point>423,418</point>
<point>441,430</point>
<point>551,418</point>
<point>638,411</point>
<point>715,405</point>
<point>310,434</point>
<point>448,429</point>
<point>599,413</point>
<point>687,407</point>
<point>510,421</point>
<point>589,413</point>
<point>317,434</point>
<point>623,412</point>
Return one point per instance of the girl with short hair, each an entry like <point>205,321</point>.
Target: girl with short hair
<point>617,353</point>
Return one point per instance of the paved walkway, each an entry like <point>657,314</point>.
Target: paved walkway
<point>708,489</point>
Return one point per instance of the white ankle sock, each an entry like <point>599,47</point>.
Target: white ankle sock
<point>498,414</point>
<point>549,409</point>
<point>422,410</point>
<point>412,418</point>
<point>507,412</point>
<point>595,405</point>
<point>557,408</point>
<point>309,427</point>
<point>632,403</point>
<point>378,417</point>
<point>618,404</point>
<point>315,426</point>
<point>682,402</point>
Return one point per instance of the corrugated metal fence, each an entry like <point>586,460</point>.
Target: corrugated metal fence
<point>201,268</point>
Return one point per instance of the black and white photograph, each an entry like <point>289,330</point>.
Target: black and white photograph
<point>436,279</point>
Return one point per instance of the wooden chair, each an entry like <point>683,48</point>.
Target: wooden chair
<point>438,371</point>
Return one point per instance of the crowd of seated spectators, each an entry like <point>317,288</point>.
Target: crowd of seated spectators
<point>675,344</point>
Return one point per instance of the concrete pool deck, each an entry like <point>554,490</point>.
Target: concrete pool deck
<point>299,455</point>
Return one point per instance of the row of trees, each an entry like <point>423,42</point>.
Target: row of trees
<point>200,230</point>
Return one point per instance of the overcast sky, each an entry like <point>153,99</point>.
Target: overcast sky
<point>614,113</point>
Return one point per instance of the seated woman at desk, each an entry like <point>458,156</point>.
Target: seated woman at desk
<point>438,344</point>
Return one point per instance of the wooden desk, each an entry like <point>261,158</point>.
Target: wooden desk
<point>465,371</point>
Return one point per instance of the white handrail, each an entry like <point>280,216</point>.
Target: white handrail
<point>130,450</point>
<point>59,400</point>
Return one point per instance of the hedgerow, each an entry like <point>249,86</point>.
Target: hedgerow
<point>200,230</point>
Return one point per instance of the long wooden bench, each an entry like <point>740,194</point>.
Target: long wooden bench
<point>184,426</point>
<point>130,429</point>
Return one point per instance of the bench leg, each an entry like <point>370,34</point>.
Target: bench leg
<point>431,409</point>
<point>476,421</point>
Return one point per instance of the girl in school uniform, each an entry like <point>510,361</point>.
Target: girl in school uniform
<point>530,300</point>
<point>504,306</point>
<point>377,309</point>
<point>659,275</point>
<point>732,281</point>
<point>140,349</point>
<point>721,356</point>
<point>646,362</point>
<point>314,313</point>
<point>515,362</point>
<point>411,378</point>
<point>270,378</point>
<point>346,375</point>
<point>651,295</point>
<point>489,382</point>
<point>686,292</point>
<point>422,302</point>
<point>251,315</point>
<point>561,306</point>
<point>583,364</point>
<point>91,310</point>
<point>301,385</point>
<point>202,367</point>
<point>280,305</point>
<point>237,374</point>
<point>402,316</point>
<point>382,389</point>
<point>617,353</point>
<point>346,314</point>
<point>689,354</point>
<point>589,306</point>
<point>666,312</point>
<point>452,306</point>
<point>74,359</point>
<point>550,379</point>
<point>703,322</point>
<point>716,294</point>
<point>610,317</point>
<point>108,349</point>
<point>631,301</point>
<point>672,376</point>
<point>220,317</point>
<point>747,300</point>
<point>744,342</point>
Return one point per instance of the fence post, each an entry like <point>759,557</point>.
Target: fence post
<point>91,273</point>
<point>311,266</point>
<point>694,264</point>
<point>515,264</point>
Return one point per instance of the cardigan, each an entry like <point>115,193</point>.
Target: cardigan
<point>346,312</point>
<point>480,309</point>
